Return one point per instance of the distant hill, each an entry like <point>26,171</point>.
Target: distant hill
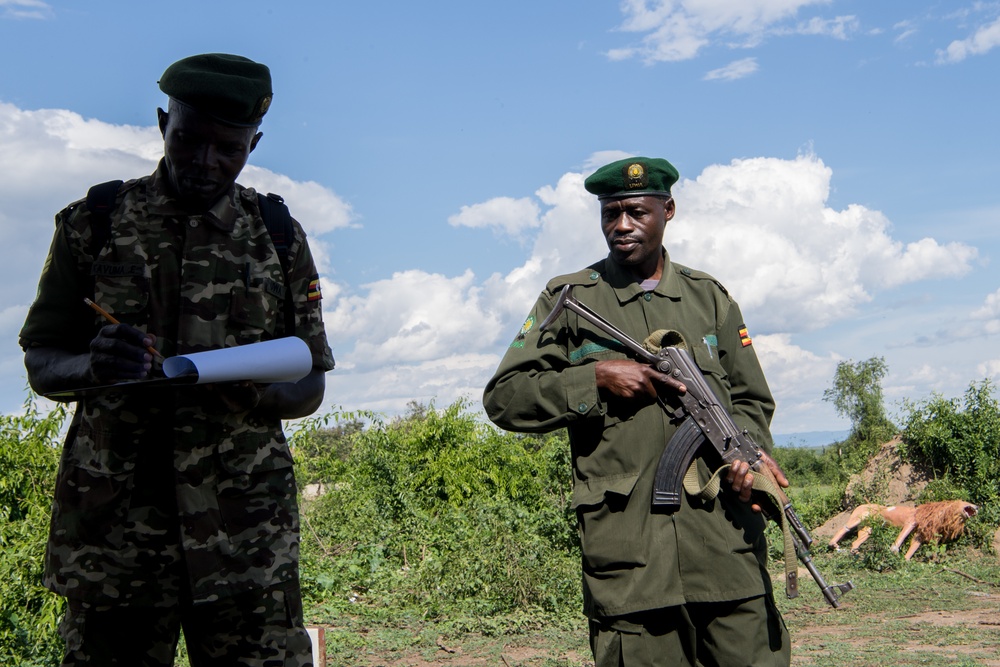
<point>809,438</point>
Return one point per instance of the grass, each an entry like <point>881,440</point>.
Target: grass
<point>936,612</point>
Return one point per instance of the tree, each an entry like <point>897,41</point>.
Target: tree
<point>857,395</point>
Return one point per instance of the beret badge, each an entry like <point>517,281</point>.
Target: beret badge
<point>635,176</point>
<point>263,105</point>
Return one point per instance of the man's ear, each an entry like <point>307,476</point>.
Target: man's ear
<point>253,142</point>
<point>161,119</point>
<point>668,210</point>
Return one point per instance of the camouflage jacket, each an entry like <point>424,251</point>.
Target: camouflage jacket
<point>161,492</point>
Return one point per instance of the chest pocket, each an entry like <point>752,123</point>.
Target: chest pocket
<point>255,309</point>
<point>122,289</point>
<point>707,359</point>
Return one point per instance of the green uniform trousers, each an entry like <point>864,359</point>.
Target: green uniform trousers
<point>257,628</point>
<point>739,633</point>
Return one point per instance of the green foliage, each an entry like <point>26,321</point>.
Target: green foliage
<point>321,449</point>
<point>817,480</point>
<point>876,553</point>
<point>857,395</point>
<point>959,441</point>
<point>29,458</point>
<point>436,514</point>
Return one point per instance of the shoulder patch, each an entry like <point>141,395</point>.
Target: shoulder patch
<point>745,336</point>
<point>528,325</point>
<point>313,290</point>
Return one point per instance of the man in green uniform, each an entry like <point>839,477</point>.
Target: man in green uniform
<point>688,587</point>
<point>176,509</point>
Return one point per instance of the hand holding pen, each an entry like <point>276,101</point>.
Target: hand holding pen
<point>120,351</point>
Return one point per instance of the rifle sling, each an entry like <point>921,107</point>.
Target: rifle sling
<point>763,484</point>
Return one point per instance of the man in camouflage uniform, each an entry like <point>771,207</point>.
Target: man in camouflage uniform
<point>661,588</point>
<point>176,508</point>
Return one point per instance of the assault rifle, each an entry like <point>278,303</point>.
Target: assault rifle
<point>705,420</point>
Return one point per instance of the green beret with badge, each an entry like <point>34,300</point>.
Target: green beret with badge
<point>633,177</point>
<point>231,89</point>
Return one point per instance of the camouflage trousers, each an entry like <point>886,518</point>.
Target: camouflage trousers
<point>258,628</point>
<point>741,633</point>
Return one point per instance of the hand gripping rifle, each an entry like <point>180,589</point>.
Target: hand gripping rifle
<point>705,420</point>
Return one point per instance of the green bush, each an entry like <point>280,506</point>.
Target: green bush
<point>29,614</point>
<point>959,441</point>
<point>439,514</point>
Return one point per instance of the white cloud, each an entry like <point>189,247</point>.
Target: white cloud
<point>990,312</point>
<point>763,228</point>
<point>600,158</point>
<point>511,216</point>
<point>990,309</point>
<point>679,29</point>
<point>990,369</point>
<point>25,9</point>
<point>389,388</point>
<point>840,27</point>
<point>906,30</point>
<point>737,69</point>
<point>985,39</point>
<point>412,317</point>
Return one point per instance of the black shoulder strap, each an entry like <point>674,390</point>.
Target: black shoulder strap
<point>278,221</point>
<point>101,203</point>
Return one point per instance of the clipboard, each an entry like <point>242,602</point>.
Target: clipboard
<point>280,360</point>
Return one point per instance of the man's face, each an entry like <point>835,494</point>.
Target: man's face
<point>633,228</point>
<point>203,156</point>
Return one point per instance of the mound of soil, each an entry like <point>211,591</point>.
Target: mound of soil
<point>886,480</point>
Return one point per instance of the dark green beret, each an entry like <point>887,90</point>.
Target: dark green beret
<point>231,89</point>
<point>632,177</point>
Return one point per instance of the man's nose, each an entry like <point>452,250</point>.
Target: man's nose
<point>624,222</point>
<point>205,156</point>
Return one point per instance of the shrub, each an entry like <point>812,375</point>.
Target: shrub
<point>960,442</point>
<point>29,458</point>
<point>438,513</point>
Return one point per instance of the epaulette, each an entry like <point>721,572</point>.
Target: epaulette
<point>694,274</point>
<point>588,276</point>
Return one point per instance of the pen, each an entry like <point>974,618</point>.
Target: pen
<point>111,318</point>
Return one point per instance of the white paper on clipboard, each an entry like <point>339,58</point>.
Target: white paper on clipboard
<point>279,360</point>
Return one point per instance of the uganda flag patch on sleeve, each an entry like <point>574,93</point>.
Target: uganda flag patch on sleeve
<point>745,336</point>
<point>312,292</point>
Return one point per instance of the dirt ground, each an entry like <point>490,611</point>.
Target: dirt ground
<point>815,641</point>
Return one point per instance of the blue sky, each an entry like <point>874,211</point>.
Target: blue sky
<point>837,165</point>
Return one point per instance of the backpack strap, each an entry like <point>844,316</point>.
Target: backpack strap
<point>278,220</point>
<point>101,204</point>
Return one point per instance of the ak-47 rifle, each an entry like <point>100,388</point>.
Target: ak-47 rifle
<point>705,420</point>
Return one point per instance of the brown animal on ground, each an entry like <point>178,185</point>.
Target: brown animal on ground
<point>930,522</point>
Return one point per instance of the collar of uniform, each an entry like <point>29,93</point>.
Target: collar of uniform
<point>222,214</point>
<point>626,288</point>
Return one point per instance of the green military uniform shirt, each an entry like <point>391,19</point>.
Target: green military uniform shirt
<point>635,558</point>
<point>163,491</point>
